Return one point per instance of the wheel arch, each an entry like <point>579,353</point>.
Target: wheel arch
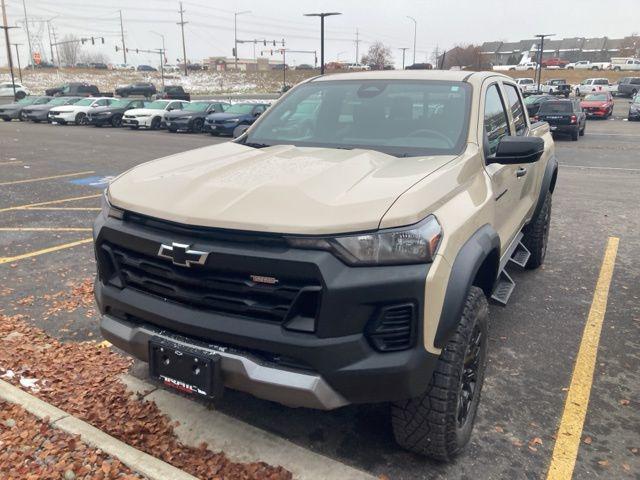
<point>476,264</point>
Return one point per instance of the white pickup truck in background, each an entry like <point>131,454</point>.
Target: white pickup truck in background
<point>556,86</point>
<point>591,85</point>
<point>618,64</point>
<point>527,85</point>
<point>587,65</point>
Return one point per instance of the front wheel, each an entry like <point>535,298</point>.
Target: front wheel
<point>536,235</point>
<point>198,123</point>
<point>155,123</point>
<point>116,121</point>
<point>81,118</point>
<point>439,422</point>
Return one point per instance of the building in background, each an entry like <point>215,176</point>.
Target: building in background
<point>259,64</point>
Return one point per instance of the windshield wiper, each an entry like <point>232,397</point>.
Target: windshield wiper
<point>256,145</point>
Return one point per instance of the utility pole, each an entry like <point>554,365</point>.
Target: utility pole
<point>26,27</point>
<point>404,49</point>
<point>437,54</point>
<point>6,38</point>
<point>124,48</point>
<point>55,44</point>
<point>18,58</point>
<point>184,46</point>
<point>357,42</point>
<point>415,33</point>
<point>50,40</point>
<point>322,16</point>
<point>235,36</point>
<point>540,52</point>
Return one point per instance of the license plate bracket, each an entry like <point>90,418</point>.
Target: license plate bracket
<point>185,369</point>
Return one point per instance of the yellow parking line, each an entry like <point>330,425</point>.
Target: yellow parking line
<point>569,433</point>
<point>43,251</point>
<point>30,180</point>
<point>45,229</point>
<point>51,202</point>
<point>63,208</point>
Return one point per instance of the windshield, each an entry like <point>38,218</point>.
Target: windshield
<point>240,108</point>
<point>532,99</point>
<point>595,98</point>
<point>62,101</point>
<point>556,107</point>
<point>121,103</point>
<point>30,100</point>
<point>196,106</point>
<point>398,117</point>
<point>157,105</point>
<point>85,102</point>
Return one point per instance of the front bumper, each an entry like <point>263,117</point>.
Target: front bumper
<point>37,117</point>
<point>10,114</point>
<point>99,119</point>
<point>634,115</point>
<point>65,117</point>
<point>220,128</point>
<point>180,124</point>
<point>142,122</point>
<point>328,365</point>
<point>597,113</point>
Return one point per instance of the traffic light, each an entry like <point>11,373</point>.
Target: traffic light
<point>102,40</point>
<point>117,48</point>
<point>137,50</point>
<point>283,42</point>
<point>82,40</point>
<point>93,41</point>
<point>274,43</point>
<point>271,52</point>
<point>233,52</point>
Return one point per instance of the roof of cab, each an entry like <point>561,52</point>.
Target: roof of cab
<point>443,75</point>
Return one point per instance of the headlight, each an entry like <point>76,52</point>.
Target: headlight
<point>140,115</point>
<point>108,210</point>
<point>232,120</point>
<point>396,246</point>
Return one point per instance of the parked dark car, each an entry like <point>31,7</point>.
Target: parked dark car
<point>629,86</point>
<point>12,111</point>
<point>634,109</point>
<point>563,116</point>
<point>533,102</point>
<point>99,66</point>
<point>305,66</point>
<point>112,114</point>
<point>173,92</point>
<point>192,116</point>
<point>74,89</point>
<point>82,65</point>
<point>238,114</point>
<point>146,68</point>
<point>280,66</point>
<point>40,113</point>
<point>145,89</point>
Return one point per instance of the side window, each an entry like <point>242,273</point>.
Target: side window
<point>517,110</point>
<point>102,103</point>
<point>496,123</point>
<point>175,106</point>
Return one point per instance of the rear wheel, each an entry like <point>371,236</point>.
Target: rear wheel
<point>6,119</point>
<point>439,422</point>
<point>584,127</point>
<point>574,135</point>
<point>20,95</point>
<point>536,235</point>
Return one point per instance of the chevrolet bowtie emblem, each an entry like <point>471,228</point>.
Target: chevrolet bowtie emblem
<point>181,255</point>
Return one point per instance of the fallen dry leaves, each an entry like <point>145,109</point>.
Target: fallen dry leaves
<point>82,379</point>
<point>79,295</point>
<point>32,449</point>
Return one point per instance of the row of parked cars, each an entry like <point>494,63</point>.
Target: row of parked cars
<point>211,116</point>
<point>625,87</point>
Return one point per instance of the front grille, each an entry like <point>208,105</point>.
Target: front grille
<point>393,329</point>
<point>225,291</point>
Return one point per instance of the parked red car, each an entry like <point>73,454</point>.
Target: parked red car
<point>598,105</point>
<point>554,62</point>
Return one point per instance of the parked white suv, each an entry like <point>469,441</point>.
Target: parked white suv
<point>6,90</point>
<point>526,85</point>
<point>152,116</point>
<point>77,113</point>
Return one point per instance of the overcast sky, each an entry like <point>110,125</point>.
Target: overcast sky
<point>209,32</point>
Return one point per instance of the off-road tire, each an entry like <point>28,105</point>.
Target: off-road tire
<point>536,235</point>
<point>428,424</point>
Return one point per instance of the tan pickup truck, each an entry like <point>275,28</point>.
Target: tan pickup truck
<point>342,250</point>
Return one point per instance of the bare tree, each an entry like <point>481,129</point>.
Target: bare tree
<point>630,46</point>
<point>70,51</point>
<point>94,57</point>
<point>378,56</point>
<point>463,56</point>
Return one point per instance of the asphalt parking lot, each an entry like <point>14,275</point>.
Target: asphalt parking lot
<point>50,184</point>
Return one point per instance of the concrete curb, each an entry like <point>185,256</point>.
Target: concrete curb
<point>138,461</point>
<point>240,441</point>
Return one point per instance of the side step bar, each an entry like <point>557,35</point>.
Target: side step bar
<point>519,255</point>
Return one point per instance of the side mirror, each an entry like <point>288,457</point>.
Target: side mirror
<point>515,150</point>
<point>239,130</point>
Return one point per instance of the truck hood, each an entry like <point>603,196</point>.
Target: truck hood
<point>281,189</point>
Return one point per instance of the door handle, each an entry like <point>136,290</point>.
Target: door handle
<point>521,172</point>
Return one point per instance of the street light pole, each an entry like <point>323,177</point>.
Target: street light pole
<point>18,58</point>
<point>404,50</point>
<point>162,55</point>
<point>6,38</point>
<point>235,35</point>
<point>415,33</point>
<point>540,53</point>
<point>322,15</point>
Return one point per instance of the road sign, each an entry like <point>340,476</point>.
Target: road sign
<point>37,58</point>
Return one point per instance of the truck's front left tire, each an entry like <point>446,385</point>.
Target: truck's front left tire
<point>439,422</point>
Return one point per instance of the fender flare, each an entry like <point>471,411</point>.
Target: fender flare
<point>463,272</point>
<point>548,184</point>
